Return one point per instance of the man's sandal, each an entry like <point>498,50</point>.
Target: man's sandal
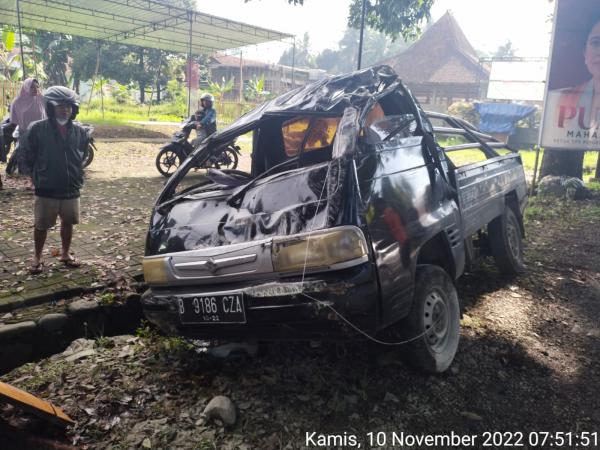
<point>71,263</point>
<point>35,269</point>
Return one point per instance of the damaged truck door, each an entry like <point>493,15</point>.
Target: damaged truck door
<point>350,224</point>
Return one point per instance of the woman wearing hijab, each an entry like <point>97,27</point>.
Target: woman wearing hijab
<point>26,108</point>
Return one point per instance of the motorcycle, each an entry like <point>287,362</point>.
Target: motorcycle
<point>6,138</point>
<point>171,156</point>
<point>13,136</point>
<point>89,129</point>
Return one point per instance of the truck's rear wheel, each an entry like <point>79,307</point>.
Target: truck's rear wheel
<point>506,242</point>
<point>435,319</point>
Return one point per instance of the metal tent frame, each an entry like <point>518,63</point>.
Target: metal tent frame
<point>142,23</point>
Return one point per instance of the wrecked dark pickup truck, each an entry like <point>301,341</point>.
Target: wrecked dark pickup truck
<point>353,221</point>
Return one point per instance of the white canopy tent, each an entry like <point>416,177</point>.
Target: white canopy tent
<point>144,23</point>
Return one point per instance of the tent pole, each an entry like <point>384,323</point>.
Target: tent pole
<point>535,168</point>
<point>155,81</point>
<point>190,68</point>
<point>102,98</point>
<point>21,40</point>
<point>94,78</point>
<point>241,79</point>
<point>294,64</point>
<point>362,30</point>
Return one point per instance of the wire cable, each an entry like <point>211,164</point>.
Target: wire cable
<point>340,315</point>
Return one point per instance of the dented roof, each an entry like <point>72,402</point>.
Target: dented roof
<point>328,95</point>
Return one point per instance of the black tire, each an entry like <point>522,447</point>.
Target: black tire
<point>90,156</point>
<point>228,159</point>
<point>506,242</point>
<point>11,166</point>
<point>167,161</point>
<point>435,318</point>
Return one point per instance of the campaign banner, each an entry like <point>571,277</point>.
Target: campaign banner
<point>571,115</point>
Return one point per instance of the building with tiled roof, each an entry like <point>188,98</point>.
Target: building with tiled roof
<point>442,66</point>
<point>278,78</point>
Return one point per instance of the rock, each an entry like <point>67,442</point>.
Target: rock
<point>562,186</point>
<point>471,415</point>
<point>222,408</point>
<point>78,345</point>
<point>466,321</point>
<point>7,316</point>
<point>81,354</point>
<point>146,443</point>
<point>593,333</point>
<point>234,348</point>
<point>15,330</point>
<point>454,370</point>
<point>53,321</point>
<point>83,306</point>
<point>389,397</point>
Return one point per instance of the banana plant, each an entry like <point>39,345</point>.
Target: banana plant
<point>255,89</point>
<point>220,89</point>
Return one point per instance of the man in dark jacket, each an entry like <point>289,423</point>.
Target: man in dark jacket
<point>205,120</point>
<point>54,150</point>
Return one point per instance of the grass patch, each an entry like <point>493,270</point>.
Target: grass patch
<point>122,113</point>
<point>550,208</point>
<point>464,157</point>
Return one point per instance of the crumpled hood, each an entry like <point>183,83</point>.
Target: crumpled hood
<point>280,205</point>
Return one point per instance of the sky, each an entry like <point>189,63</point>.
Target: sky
<point>486,23</point>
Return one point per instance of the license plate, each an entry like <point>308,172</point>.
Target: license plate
<point>212,308</point>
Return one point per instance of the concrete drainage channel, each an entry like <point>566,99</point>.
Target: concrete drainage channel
<point>35,332</point>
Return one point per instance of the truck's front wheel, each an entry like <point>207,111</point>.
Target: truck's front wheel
<point>433,324</point>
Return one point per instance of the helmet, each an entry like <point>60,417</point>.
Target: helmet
<point>207,96</point>
<point>58,95</point>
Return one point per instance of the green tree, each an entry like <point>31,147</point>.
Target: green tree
<point>302,56</point>
<point>394,18</point>
<point>506,50</point>
<point>376,46</point>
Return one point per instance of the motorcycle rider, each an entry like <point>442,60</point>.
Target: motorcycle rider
<point>206,121</point>
<point>54,150</point>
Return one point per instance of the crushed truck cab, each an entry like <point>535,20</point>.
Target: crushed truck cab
<point>353,221</point>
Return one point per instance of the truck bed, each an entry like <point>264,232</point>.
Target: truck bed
<point>481,186</point>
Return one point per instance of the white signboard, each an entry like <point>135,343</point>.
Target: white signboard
<point>571,119</point>
<point>518,80</point>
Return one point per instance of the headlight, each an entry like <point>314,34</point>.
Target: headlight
<point>320,250</point>
<point>155,270</point>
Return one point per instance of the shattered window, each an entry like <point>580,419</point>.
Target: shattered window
<point>374,115</point>
<point>398,126</point>
<point>322,131</point>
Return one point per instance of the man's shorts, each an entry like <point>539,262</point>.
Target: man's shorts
<point>46,210</point>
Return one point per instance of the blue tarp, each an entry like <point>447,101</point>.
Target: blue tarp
<point>501,117</point>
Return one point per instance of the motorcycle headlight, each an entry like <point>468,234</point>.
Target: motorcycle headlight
<point>155,270</point>
<point>322,249</point>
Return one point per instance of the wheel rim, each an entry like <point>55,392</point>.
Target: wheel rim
<point>169,162</point>
<point>225,159</point>
<point>513,238</point>
<point>436,320</point>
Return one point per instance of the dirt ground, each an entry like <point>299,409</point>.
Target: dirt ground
<point>527,362</point>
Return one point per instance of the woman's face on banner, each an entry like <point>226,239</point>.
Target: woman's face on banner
<point>592,51</point>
